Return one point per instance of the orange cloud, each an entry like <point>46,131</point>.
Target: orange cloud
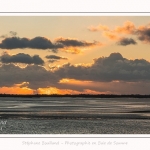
<point>76,50</point>
<point>16,90</point>
<point>98,28</point>
<point>72,50</point>
<point>74,81</point>
<point>127,28</point>
<point>111,35</point>
<point>88,91</point>
<point>64,80</point>
<point>54,90</point>
<point>114,34</point>
<point>23,84</point>
<point>141,28</point>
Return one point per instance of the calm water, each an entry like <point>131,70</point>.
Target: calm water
<point>74,116</point>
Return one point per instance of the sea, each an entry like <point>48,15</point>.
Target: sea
<point>67,115</point>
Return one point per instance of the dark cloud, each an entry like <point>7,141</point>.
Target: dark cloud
<point>144,34</point>
<point>114,68</point>
<point>126,41</point>
<point>74,43</point>
<point>110,87</point>
<point>55,57</point>
<point>37,76</point>
<point>35,43</point>
<point>106,69</point>
<point>42,43</point>
<point>14,42</point>
<point>21,58</point>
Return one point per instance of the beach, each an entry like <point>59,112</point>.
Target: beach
<point>74,116</point>
<point>61,126</point>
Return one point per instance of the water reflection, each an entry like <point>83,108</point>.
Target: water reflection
<point>75,107</point>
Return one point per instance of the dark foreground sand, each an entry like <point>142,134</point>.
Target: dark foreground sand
<point>74,126</point>
<point>74,115</point>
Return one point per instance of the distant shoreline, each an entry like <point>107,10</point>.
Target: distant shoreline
<point>79,95</point>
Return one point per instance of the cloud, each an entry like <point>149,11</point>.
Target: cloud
<point>72,50</point>
<point>35,43</point>
<point>93,88</point>
<point>127,28</point>
<point>126,41</point>
<point>14,42</point>
<point>114,68</point>
<point>21,85</point>
<point>21,58</point>
<point>111,35</point>
<point>54,90</point>
<point>114,87</point>
<point>98,28</point>
<point>107,69</point>
<point>42,43</point>
<point>16,90</point>
<point>54,58</point>
<point>115,34</point>
<point>75,46</point>
<point>68,42</point>
<point>36,76</point>
<point>143,34</point>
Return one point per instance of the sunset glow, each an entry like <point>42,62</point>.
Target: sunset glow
<point>75,55</point>
<point>15,90</point>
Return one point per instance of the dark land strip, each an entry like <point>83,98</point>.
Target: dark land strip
<point>78,95</point>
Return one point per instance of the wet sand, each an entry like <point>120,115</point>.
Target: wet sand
<point>74,126</point>
<point>75,116</point>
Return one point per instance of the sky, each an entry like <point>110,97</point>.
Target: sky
<point>75,54</point>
